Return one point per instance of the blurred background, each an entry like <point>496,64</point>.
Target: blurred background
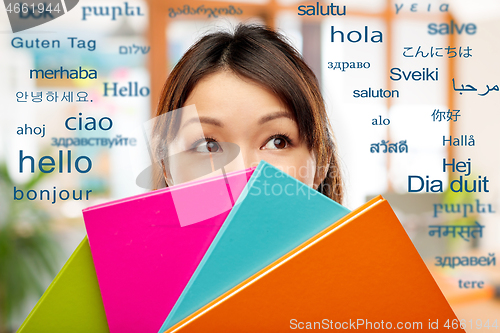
<point>38,236</point>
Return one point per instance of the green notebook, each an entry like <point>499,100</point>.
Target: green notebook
<point>72,302</point>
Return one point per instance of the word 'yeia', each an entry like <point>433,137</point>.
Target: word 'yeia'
<point>19,43</point>
<point>311,10</point>
<point>417,183</point>
<point>375,93</point>
<point>464,208</point>
<point>414,7</point>
<point>115,11</point>
<point>450,29</point>
<point>424,75</point>
<point>471,88</point>
<point>356,36</point>
<point>72,74</point>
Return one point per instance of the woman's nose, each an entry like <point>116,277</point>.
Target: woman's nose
<point>240,157</point>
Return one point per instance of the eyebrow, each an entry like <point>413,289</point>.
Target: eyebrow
<point>215,122</point>
<point>206,120</point>
<point>276,115</point>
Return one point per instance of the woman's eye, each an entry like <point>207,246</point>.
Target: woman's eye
<point>208,147</point>
<point>276,143</point>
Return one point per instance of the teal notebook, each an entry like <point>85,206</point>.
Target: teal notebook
<point>274,214</point>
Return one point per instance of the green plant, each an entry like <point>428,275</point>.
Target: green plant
<point>27,249</point>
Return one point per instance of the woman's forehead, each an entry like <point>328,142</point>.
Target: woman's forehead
<point>227,96</point>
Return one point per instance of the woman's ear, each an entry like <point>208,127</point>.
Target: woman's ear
<point>321,173</point>
<point>166,174</point>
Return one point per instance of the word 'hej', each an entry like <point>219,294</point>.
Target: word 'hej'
<point>418,184</point>
<point>115,11</point>
<point>19,43</point>
<point>452,230</point>
<point>392,148</point>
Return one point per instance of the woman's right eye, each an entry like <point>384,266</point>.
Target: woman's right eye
<point>208,146</point>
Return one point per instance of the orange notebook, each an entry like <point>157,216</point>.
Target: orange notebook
<point>362,273</point>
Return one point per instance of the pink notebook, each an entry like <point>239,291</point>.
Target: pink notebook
<point>145,248</point>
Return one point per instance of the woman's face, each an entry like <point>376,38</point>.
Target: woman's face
<point>239,111</point>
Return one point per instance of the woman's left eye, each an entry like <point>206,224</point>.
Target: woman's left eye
<point>278,142</point>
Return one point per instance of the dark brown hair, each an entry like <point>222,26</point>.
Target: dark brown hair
<point>265,57</point>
